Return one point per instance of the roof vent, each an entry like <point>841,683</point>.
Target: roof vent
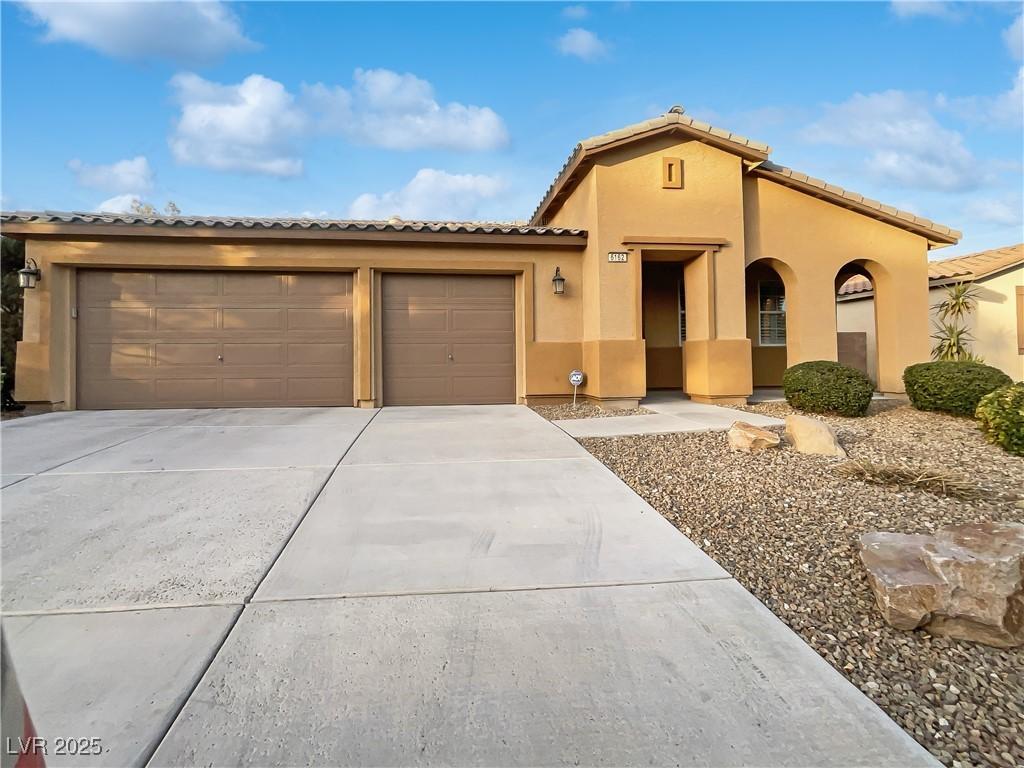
<point>675,109</point>
<point>394,220</point>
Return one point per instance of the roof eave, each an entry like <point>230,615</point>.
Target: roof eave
<point>86,231</point>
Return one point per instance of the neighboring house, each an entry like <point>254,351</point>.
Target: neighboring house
<point>690,261</point>
<point>996,325</point>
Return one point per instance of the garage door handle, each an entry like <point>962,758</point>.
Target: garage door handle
<point>451,357</point>
<point>221,358</point>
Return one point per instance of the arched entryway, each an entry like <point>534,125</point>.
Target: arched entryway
<point>856,325</point>
<point>767,283</point>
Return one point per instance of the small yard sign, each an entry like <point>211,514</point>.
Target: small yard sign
<point>575,378</point>
<point>620,257</point>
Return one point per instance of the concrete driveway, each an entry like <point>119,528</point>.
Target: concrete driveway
<point>461,585</point>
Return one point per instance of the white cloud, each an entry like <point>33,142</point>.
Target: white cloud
<point>582,43</point>
<point>1006,211</point>
<point>256,125</point>
<point>906,144</point>
<point>132,175</point>
<point>249,127</point>
<point>118,204</point>
<point>431,194</point>
<point>575,12</point>
<point>399,111</point>
<point>1003,110</point>
<point>906,9</point>
<point>1013,36</point>
<point>187,31</point>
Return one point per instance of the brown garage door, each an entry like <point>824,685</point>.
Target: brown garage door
<point>448,339</point>
<point>197,339</point>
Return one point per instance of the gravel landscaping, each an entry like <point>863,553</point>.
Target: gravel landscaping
<point>786,526</point>
<point>584,410</point>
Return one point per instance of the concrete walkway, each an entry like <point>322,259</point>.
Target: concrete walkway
<point>673,412</point>
<point>412,586</point>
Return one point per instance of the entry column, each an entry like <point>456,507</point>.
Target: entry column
<point>717,350</point>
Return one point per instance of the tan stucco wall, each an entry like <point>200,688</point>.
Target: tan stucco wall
<point>711,229</point>
<point>548,343</point>
<point>993,323</point>
<point>808,241</point>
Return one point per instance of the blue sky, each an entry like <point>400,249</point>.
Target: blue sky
<point>467,110</point>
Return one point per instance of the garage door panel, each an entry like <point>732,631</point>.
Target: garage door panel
<point>118,318</point>
<point>241,354</point>
<point>317,353</point>
<point>251,319</point>
<point>326,318</point>
<point>195,353</point>
<point>187,319</point>
<point>253,390</point>
<point>448,339</point>
<point>254,284</point>
<point>484,354</point>
<point>421,320</point>
<point>116,355</point>
<point>210,338</point>
<point>187,284</point>
<point>189,390</point>
<point>317,389</point>
<point>481,320</point>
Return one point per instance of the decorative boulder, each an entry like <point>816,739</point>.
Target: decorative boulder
<point>966,581</point>
<point>750,439</point>
<point>813,436</point>
<point>906,591</point>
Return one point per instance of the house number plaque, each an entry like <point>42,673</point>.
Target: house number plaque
<point>620,257</point>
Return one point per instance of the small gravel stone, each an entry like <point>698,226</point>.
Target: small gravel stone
<point>584,410</point>
<point>786,525</point>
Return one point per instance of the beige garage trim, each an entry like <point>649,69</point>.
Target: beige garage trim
<point>448,339</point>
<point>173,339</point>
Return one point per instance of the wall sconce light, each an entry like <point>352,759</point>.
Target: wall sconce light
<point>558,282</point>
<point>29,275</point>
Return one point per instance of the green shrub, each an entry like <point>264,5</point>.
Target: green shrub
<point>951,386</point>
<point>1001,417</point>
<point>821,386</point>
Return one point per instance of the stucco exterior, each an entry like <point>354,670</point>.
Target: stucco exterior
<point>996,325</point>
<point>732,221</point>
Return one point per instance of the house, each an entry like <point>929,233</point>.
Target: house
<point>667,254</point>
<point>997,323</point>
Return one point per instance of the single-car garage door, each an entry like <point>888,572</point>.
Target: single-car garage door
<point>448,339</point>
<point>167,339</point>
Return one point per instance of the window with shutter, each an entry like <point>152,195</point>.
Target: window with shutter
<point>771,305</point>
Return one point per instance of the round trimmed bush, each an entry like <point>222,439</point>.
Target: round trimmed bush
<point>1001,417</point>
<point>822,386</point>
<point>951,386</point>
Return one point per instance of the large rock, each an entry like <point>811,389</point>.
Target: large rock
<point>966,581</point>
<point>750,439</point>
<point>906,591</point>
<point>813,436</point>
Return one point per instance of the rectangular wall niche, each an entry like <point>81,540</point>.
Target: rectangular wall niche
<point>671,173</point>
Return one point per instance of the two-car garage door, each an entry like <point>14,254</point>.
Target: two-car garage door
<point>168,339</point>
<point>182,339</point>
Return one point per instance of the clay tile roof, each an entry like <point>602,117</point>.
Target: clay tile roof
<point>673,120</point>
<point>937,233</point>
<point>973,266</point>
<point>246,222</point>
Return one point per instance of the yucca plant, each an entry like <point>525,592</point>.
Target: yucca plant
<point>951,335</point>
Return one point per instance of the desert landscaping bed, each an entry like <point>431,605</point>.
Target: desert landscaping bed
<point>786,525</point>
<point>584,410</point>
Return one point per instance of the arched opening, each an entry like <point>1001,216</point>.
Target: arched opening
<point>767,281</point>
<point>856,318</point>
